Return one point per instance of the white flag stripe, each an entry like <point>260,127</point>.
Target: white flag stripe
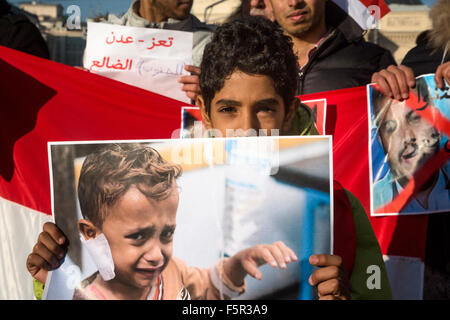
<point>360,13</point>
<point>405,277</point>
<point>19,229</point>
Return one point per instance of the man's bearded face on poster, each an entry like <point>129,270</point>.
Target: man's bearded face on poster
<point>408,140</point>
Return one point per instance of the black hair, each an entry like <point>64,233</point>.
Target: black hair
<point>255,46</point>
<point>4,7</point>
<point>108,173</point>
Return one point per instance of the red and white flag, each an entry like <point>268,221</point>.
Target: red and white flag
<point>43,101</point>
<point>366,13</point>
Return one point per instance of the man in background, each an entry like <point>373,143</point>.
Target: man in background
<point>252,8</point>
<point>19,33</point>
<point>329,44</point>
<point>170,15</point>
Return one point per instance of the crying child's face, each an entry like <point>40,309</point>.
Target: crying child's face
<point>140,234</point>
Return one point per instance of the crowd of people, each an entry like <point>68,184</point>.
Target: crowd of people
<point>246,74</point>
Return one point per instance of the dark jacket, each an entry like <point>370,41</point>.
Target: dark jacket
<point>19,33</point>
<point>423,59</point>
<point>344,59</point>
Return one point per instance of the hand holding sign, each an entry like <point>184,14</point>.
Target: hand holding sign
<point>191,84</point>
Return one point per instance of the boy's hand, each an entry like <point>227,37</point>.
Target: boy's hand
<point>331,280</point>
<point>442,72</point>
<point>247,261</point>
<point>48,253</point>
<point>395,81</point>
<point>191,84</point>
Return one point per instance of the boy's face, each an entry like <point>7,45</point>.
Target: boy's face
<point>140,234</point>
<point>247,102</point>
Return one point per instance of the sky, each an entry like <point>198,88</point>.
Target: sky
<point>89,8</point>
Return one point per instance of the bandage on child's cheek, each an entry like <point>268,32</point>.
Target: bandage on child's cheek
<point>100,252</point>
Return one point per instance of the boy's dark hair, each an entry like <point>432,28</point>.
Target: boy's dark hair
<point>108,173</point>
<point>4,7</point>
<point>253,45</point>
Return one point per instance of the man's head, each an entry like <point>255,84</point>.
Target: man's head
<point>299,17</point>
<point>249,77</point>
<point>254,8</point>
<point>260,8</point>
<point>407,139</point>
<point>128,192</point>
<point>175,9</point>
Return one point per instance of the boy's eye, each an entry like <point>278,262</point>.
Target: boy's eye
<point>227,109</point>
<point>266,109</point>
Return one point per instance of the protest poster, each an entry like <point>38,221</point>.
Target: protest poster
<point>234,194</point>
<point>402,238</point>
<point>409,150</point>
<point>151,59</point>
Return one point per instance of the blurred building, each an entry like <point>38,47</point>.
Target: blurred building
<point>399,29</point>
<point>65,46</point>
<point>42,10</point>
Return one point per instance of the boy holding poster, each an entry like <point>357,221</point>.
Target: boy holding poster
<point>248,82</point>
<point>248,85</point>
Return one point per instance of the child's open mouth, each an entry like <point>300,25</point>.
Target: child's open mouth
<point>149,273</point>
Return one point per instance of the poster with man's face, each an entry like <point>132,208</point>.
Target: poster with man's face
<point>410,151</point>
<point>133,235</point>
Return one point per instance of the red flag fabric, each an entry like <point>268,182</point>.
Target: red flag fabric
<point>384,8</point>
<point>44,101</point>
<point>71,105</point>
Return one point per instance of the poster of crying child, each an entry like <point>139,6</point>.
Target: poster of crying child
<point>231,218</point>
